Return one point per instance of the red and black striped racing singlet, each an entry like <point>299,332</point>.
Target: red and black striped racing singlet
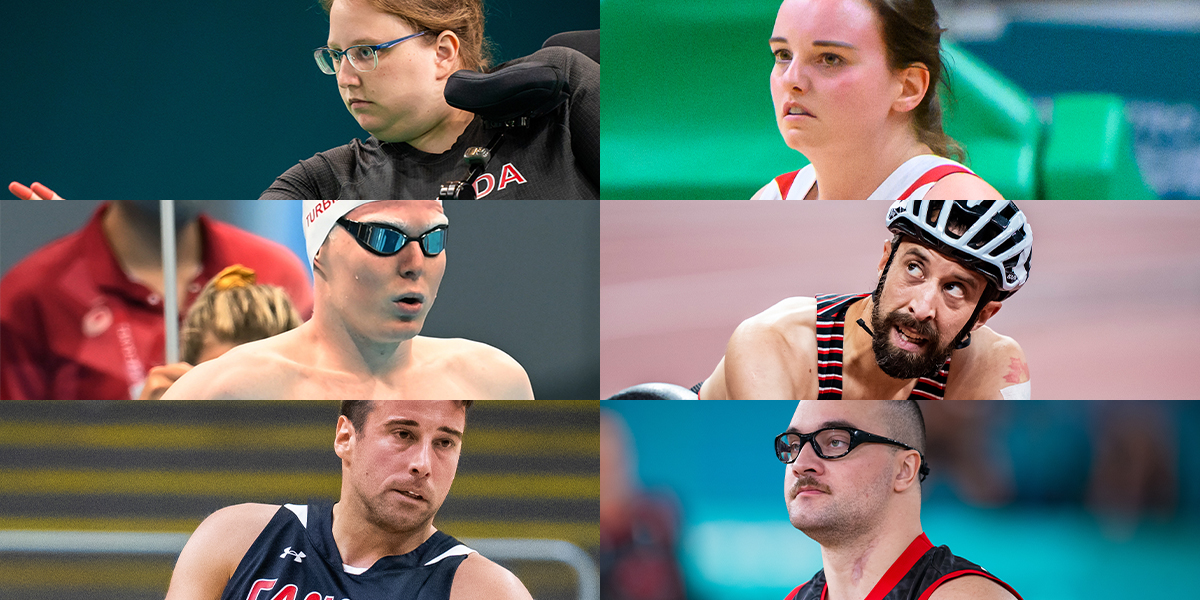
<point>919,570</point>
<point>831,319</point>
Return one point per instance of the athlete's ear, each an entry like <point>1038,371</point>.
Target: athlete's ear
<point>988,312</point>
<point>914,83</point>
<point>318,260</point>
<point>343,441</point>
<point>446,60</point>
<point>908,474</point>
<point>887,251</point>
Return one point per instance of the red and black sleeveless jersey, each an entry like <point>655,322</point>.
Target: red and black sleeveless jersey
<point>831,322</point>
<point>915,575</point>
<point>296,558</point>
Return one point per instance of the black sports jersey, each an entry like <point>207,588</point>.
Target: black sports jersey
<point>296,558</point>
<point>831,320</point>
<point>556,158</point>
<point>918,571</point>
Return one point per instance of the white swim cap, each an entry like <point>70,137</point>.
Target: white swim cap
<point>321,216</point>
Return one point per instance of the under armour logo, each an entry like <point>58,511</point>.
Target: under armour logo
<point>288,552</point>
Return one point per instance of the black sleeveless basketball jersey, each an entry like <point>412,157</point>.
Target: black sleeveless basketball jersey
<point>831,320</point>
<point>295,558</point>
<point>918,571</point>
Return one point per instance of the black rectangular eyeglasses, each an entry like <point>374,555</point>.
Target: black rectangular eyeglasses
<point>386,240</point>
<point>834,442</point>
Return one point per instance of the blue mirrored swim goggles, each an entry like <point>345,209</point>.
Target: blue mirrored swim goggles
<point>385,240</point>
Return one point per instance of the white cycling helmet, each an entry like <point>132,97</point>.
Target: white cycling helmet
<point>996,239</point>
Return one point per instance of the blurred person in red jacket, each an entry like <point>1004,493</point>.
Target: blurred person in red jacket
<point>82,317</point>
<point>637,531</point>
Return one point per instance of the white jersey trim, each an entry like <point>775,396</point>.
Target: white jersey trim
<point>896,184</point>
<point>301,512</point>
<point>458,550</point>
<point>1021,391</point>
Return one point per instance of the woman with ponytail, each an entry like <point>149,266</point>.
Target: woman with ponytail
<point>855,91</point>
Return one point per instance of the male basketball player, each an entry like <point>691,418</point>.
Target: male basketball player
<point>377,266</point>
<point>378,541</point>
<point>942,276</point>
<point>852,483</point>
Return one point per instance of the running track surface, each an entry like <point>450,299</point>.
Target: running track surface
<point>1111,311</point>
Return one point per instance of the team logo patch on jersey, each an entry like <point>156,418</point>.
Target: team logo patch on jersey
<point>288,552</point>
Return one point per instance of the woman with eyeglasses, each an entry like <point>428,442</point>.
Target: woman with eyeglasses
<point>391,60</point>
<point>855,91</point>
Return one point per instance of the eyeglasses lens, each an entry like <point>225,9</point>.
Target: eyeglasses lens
<point>834,443</point>
<point>326,61</point>
<point>362,57</point>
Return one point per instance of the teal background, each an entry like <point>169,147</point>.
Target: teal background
<point>141,99</point>
<point>716,461</point>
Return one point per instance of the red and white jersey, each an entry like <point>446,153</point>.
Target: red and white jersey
<point>911,180</point>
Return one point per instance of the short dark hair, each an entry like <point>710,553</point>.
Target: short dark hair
<point>906,423</point>
<point>358,410</point>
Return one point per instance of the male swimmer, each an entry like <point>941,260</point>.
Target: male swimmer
<point>372,292</point>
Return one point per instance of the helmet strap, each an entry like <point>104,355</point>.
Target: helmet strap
<point>964,336</point>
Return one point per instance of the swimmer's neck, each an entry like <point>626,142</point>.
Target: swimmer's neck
<point>339,347</point>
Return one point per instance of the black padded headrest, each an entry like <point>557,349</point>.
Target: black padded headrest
<point>654,391</point>
<point>528,89</point>
<point>587,42</point>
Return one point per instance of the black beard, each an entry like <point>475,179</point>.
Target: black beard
<point>902,364</point>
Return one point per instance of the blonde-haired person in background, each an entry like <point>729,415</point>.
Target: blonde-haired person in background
<point>233,309</point>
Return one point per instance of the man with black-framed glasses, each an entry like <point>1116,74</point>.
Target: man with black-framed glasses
<point>377,266</point>
<point>852,483</point>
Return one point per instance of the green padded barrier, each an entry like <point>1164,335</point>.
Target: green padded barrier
<point>1089,151</point>
<point>994,120</point>
<point>686,110</point>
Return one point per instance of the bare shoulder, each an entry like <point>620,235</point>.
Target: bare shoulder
<point>768,355</point>
<point>238,523</point>
<point>971,587</point>
<point>248,372</point>
<point>785,318</point>
<point>478,578</point>
<point>215,549</point>
<point>991,363</point>
<point>498,375</point>
<point>962,186</point>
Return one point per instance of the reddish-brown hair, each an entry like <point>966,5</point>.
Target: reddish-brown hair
<point>463,17</point>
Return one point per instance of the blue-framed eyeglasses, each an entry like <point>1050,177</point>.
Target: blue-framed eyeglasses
<point>385,240</point>
<point>362,57</point>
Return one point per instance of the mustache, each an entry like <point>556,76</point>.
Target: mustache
<point>925,329</point>
<point>808,481</point>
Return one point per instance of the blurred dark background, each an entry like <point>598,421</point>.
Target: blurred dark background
<point>139,99</point>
